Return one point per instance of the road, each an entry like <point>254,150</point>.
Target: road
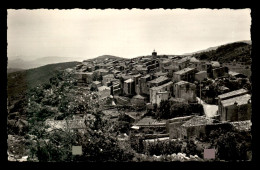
<point>210,110</point>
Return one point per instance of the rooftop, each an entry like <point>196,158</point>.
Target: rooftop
<point>194,60</point>
<point>215,63</point>
<point>96,82</point>
<point>159,79</point>
<point>162,86</point>
<point>138,97</point>
<point>198,120</point>
<point>242,125</point>
<point>102,70</point>
<point>149,121</point>
<point>146,76</point>
<point>183,71</point>
<point>201,72</point>
<point>232,93</point>
<point>240,100</point>
<point>109,76</point>
<point>103,88</point>
<point>166,61</point>
<point>181,82</point>
<point>184,59</point>
<point>171,67</point>
<point>88,73</point>
<point>129,80</point>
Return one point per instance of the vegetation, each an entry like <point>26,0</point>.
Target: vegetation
<point>21,81</point>
<point>239,51</point>
<point>168,110</point>
<point>231,145</point>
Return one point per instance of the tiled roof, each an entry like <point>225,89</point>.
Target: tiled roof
<point>108,76</point>
<point>215,63</point>
<point>185,70</point>
<point>96,82</point>
<point>129,80</point>
<point>162,86</point>
<point>138,97</point>
<point>103,88</point>
<point>232,93</point>
<point>198,120</point>
<point>240,100</point>
<point>159,79</point>
<point>149,121</point>
<point>146,76</point>
<point>200,72</point>
<point>181,82</point>
<point>102,70</point>
<point>194,60</point>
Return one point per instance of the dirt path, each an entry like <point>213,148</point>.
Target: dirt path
<point>210,110</point>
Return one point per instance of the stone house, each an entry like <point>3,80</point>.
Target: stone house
<point>229,95</point>
<point>102,72</point>
<point>215,70</point>
<point>96,84</point>
<point>103,92</point>
<point>236,75</point>
<point>116,89</point>
<point>83,77</point>
<point>143,84</point>
<point>158,81</point>
<point>163,92</point>
<point>201,126</point>
<point>185,90</point>
<point>173,126</point>
<point>181,63</point>
<point>236,108</point>
<point>129,87</point>
<point>201,75</point>
<point>138,100</point>
<point>107,78</point>
<point>195,63</point>
<point>186,74</point>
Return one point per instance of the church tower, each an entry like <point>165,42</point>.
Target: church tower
<point>154,54</point>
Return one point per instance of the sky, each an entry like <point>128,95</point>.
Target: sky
<point>86,34</point>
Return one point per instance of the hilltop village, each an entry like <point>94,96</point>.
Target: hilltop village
<point>139,87</point>
<point>149,108</point>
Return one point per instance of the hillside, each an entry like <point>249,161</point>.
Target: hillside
<point>239,51</point>
<point>11,70</point>
<point>249,42</point>
<point>19,82</point>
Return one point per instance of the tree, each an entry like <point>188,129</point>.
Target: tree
<point>180,109</point>
<point>163,111</point>
<point>232,144</point>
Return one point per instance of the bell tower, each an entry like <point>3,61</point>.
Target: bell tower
<point>154,53</point>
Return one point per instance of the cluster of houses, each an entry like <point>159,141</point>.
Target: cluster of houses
<point>148,80</point>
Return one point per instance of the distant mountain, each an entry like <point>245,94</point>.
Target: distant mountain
<point>11,70</point>
<point>19,82</point>
<point>249,42</point>
<point>104,57</point>
<point>24,63</point>
<point>238,51</point>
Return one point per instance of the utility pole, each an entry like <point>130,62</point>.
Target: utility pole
<point>200,91</point>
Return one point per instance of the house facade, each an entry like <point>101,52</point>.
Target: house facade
<point>185,90</point>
